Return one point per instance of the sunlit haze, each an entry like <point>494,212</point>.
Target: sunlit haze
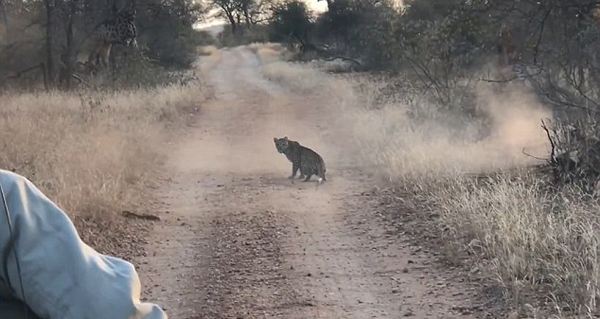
<point>213,23</point>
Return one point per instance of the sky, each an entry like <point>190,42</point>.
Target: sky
<point>314,5</point>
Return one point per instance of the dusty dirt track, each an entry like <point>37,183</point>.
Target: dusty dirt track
<point>241,241</point>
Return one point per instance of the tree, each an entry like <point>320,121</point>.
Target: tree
<point>55,32</point>
<point>291,20</point>
<point>166,29</point>
<point>50,40</point>
<point>251,11</point>
<point>229,9</point>
<point>4,18</point>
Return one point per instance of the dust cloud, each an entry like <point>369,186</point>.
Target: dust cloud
<point>384,136</point>
<point>356,128</point>
<point>400,146</point>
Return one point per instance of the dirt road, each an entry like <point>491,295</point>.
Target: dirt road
<point>240,240</point>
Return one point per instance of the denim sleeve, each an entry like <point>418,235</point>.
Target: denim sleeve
<point>63,278</point>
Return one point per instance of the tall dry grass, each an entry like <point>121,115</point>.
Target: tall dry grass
<point>540,243</point>
<point>301,78</point>
<point>533,239</point>
<point>91,151</point>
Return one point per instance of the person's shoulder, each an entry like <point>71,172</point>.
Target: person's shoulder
<point>11,177</point>
<point>11,182</point>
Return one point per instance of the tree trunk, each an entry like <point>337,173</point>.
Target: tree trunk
<point>50,41</point>
<point>247,18</point>
<point>245,8</point>
<point>232,21</point>
<point>4,17</point>
<point>69,56</point>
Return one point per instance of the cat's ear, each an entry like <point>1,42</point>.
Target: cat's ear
<point>275,139</point>
<point>285,138</point>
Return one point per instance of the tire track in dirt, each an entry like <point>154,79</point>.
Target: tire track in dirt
<point>241,241</point>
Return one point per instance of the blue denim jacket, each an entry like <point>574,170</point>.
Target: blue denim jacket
<point>63,278</point>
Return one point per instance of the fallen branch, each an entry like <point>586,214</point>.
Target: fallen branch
<point>18,74</point>
<point>78,78</point>
<point>533,156</point>
<point>513,78</point>
<point>129,214</point>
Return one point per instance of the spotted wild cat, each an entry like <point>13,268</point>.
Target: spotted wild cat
<point>303,158</point>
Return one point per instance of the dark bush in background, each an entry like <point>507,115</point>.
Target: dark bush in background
<point>55,34</point>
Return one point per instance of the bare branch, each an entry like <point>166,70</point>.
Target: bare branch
<point>552,145</point>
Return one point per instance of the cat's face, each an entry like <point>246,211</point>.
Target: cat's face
<point>281,144</point>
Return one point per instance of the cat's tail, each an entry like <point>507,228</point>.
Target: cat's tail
<point>322,171</point>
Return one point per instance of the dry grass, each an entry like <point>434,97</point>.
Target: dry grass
<point>211,56</point>
<point>90,151</point>
<point>207,50</point>
<point>269,52</point>
<point>541,244</point>
<point>301,78</point>
<point>534,240</point>
<point>537,242</point>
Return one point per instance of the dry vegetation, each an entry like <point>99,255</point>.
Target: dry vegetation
<point>92,139</point>
<point>531,237</point>
<point>93,152</point>
<point>493,203</point>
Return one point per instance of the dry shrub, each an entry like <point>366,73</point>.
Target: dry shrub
<point>90,151</point>
<point>301,78</point>
<point>269,52</point>
<point>575,152</point>
<point>535,240</point>
<point>411,140</point>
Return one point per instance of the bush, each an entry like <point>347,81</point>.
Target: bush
<point>291,21</point>
<point>360,29</point>
<point>166,37</point>
<point>167,32</point>
<point>243,36</point>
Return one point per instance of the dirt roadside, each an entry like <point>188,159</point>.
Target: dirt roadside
<point>242,241</point>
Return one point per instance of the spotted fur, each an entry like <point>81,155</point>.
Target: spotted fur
<point>303,158</point>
